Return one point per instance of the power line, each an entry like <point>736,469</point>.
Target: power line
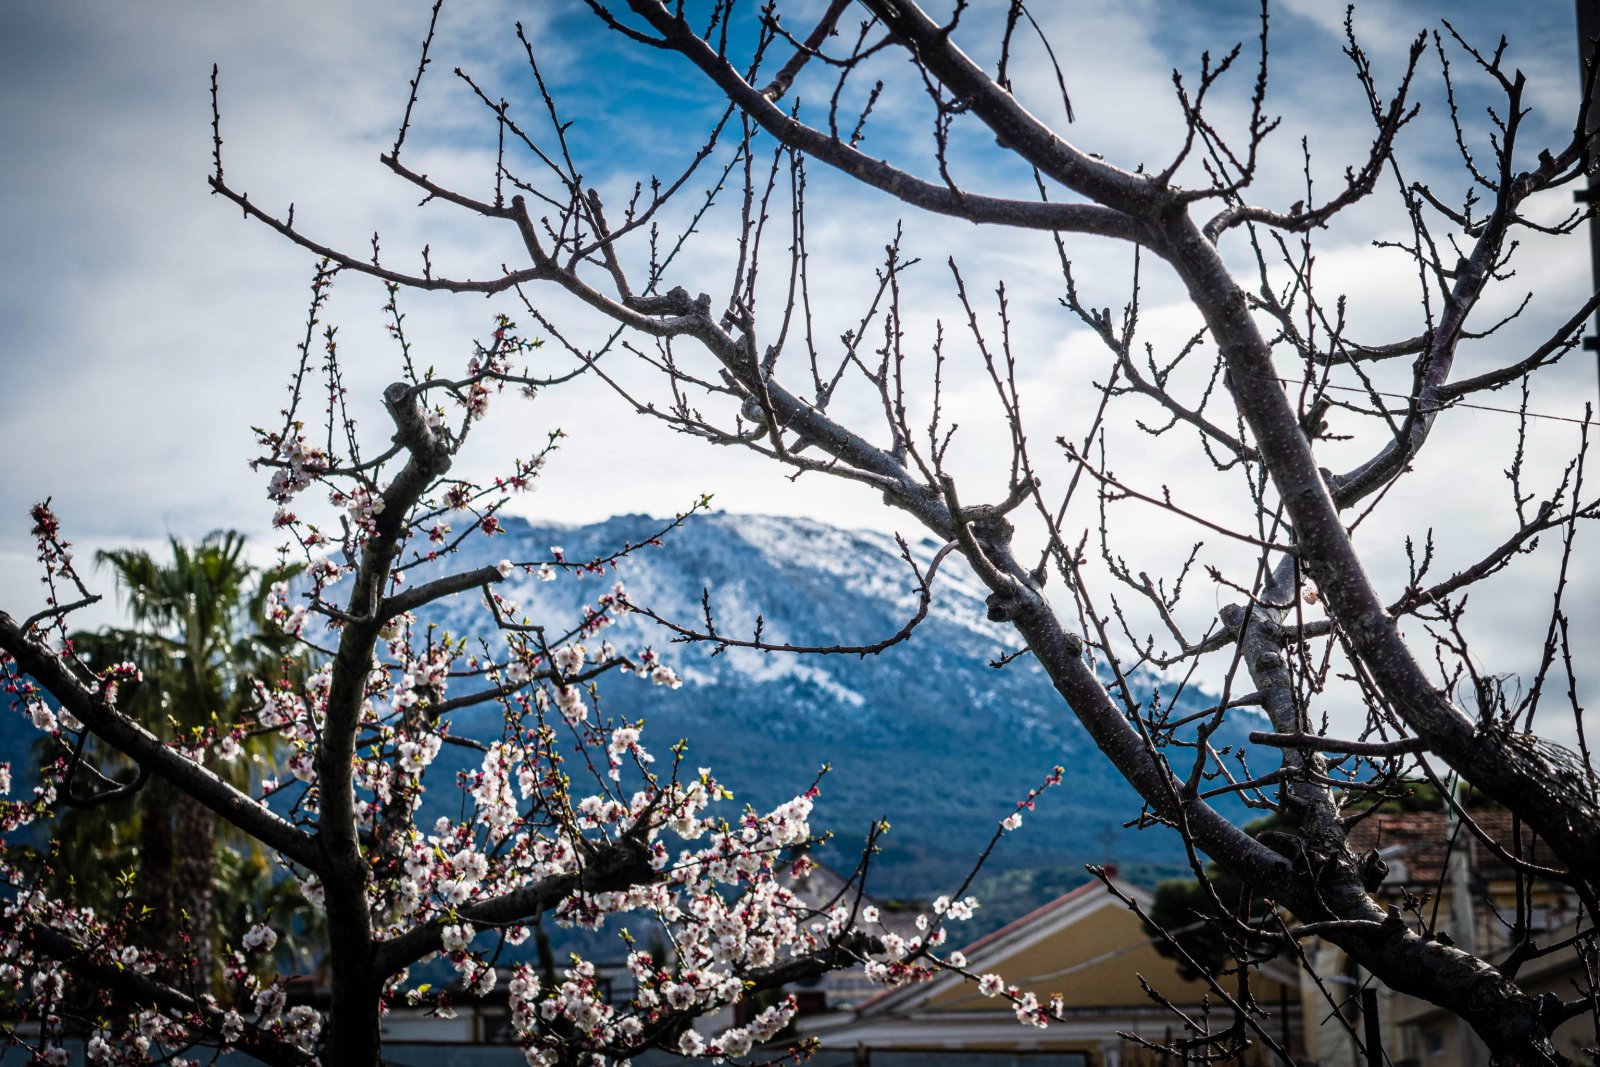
<point>1457,404</point>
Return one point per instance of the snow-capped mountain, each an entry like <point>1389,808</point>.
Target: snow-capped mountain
<point>926,734</point>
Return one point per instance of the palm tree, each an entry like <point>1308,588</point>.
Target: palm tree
<point>199,636</point>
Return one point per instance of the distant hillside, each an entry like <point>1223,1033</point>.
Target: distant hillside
<point>926,734</point>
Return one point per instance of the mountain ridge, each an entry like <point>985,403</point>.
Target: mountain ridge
<point>925,734</point>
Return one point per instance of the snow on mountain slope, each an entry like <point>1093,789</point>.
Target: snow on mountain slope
<point>926,734</point>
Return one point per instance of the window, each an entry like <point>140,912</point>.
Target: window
<point>1433,1043</point>
<point>1542,919</point>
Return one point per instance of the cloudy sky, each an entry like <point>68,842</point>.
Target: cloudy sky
<point>145,327</point>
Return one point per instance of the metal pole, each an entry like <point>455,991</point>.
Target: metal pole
<point>1283,1015</point>
<point>1463,927</point>
<point>1369,1016</point>
<point>1588,32</point>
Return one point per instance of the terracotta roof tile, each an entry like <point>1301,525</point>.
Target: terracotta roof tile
<point>1416,845</point>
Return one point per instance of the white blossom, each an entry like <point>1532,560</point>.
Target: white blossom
<point>457,937</point>
<point>569,658</point>
<point>261,936</point>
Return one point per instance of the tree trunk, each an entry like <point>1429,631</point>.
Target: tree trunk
<point>354,1016</point>
<point>153,891</point>
<point>193,872</point>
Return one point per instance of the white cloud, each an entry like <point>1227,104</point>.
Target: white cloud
<point>146,326</point>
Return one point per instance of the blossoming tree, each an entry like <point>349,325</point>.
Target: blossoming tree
<point>569,818</point>
<point>1310,622</point>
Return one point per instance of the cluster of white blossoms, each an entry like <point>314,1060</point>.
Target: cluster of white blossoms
<point>903,960</point>
<point>729,912</point>
<point>960,910</point>
<point>488,363</point>
<point>738,1040</point>
<point>417,752</point>
<point>491,789</point>
<point>363,505</point>
<point>260,936</point>
<point>44,990</point>
<point>291,620</point>
<point>569,659</point>
<point>722,896</point>
<point>304,465</point>
<point>524,826</point>
<point>1026,1005</point>
<point>27,698</point>
<point>570,702</point>
<point>625,743</point>
<point>725,902</point>
<point>651,667</point>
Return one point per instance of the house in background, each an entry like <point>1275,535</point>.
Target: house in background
<point>1085,945</point>
<point>481,1020</point>
<point>1472,896</point>
<point>821,888</point>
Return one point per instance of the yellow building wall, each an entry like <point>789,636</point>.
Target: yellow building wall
<point>1110,983</point>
